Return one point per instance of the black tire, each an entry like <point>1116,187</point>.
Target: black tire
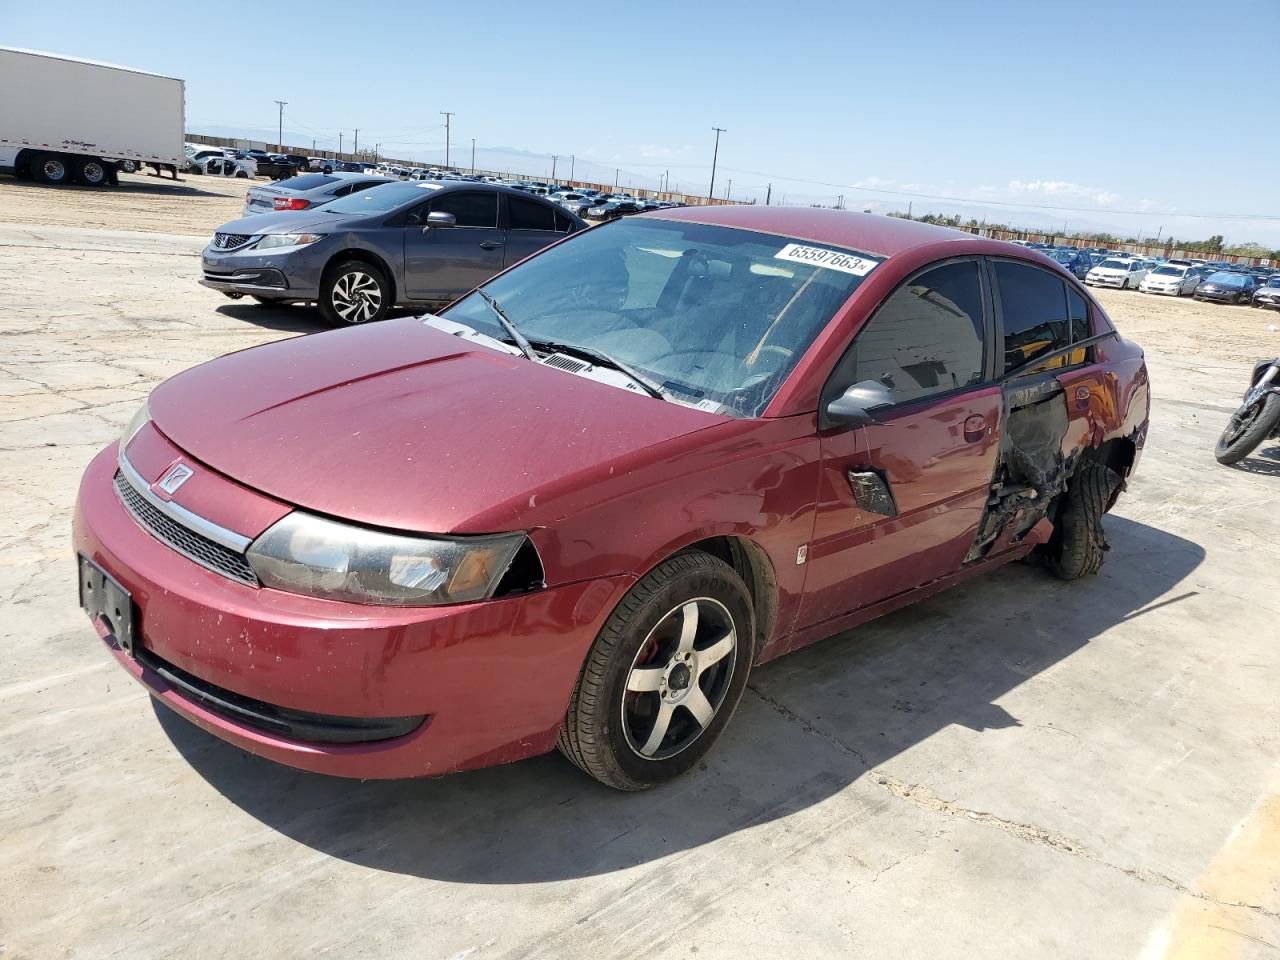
<point>50,168</point>
<point>1243,434</point>
<point>93,172</point>
<point>1077,546</point>
<point>606,717</point>
<point>345,297</point>
<point>127,166</point>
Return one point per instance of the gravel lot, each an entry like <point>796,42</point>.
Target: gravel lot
<point>1019,768</point>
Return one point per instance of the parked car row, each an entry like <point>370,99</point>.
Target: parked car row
<point>1192,277</point>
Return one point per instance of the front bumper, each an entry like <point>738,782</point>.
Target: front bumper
<point>1160,291</point>
<point>1106,281</point>
<point>287,273</point>
<point>1271,302</point>
<point>1217,296</point>
<point>493,678</point>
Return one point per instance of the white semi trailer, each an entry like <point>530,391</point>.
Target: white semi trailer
<point>64,120</point>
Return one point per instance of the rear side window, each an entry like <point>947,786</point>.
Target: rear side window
<point>1078,310</point>
<point>470,209</point>
<point>563,223</point>
<point>925,338</point>
<point>530,215</point>
<point>308,181</point>
<point>1034,304</point>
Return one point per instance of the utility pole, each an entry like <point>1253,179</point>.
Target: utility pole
<point>313,145</point>
<point>768,194</point>
<point>572,162</point>
<point>711,191</point>
<point>280,127</point>
<point>356,149</point>
<point>616,173</point>
<point>448,118</point>
<point>728,190</point>
<point>339,143</point>
<point>554,158</point>
<point>473,156</point>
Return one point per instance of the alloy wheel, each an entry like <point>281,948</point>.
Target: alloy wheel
<point>54,170</point>
<point>356,297</point>
<point>679,678</point>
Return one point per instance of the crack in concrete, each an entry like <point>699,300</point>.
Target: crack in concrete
<point>926,799</point>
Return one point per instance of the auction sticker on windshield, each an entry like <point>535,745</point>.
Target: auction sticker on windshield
<point>822,257</point>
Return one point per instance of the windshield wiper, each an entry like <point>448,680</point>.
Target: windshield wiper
<point>602,359</point>
<point>525,347</point>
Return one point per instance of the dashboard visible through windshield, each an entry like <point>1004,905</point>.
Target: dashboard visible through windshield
<point>715,317</point>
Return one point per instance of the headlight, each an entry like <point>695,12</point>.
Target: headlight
<point>287,240</point>
<point>322,558</point>
<point>139,420</point>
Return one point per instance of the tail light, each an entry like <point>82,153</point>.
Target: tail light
<point>290,203</point>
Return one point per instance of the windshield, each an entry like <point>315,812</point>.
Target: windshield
<point>717,317</point>
<point>1114,265</point>
<point>1168,271</point>
<point>1063,256</point>
<point>1274,282</point>
<point>1227,279</point>
<point>381,199</point>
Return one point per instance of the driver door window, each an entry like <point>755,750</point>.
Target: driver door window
<point>933,451</point>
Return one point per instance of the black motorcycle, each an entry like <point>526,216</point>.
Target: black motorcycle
<point>1257,418</point>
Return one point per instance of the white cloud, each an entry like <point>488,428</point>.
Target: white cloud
<point>1064,188</point>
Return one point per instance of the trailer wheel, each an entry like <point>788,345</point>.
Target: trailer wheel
<point>128,166</point>
<point>92,172</point>
<point>49,168</point>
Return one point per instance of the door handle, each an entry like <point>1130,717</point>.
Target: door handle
<point>974,427</point>
<point>489,244</point>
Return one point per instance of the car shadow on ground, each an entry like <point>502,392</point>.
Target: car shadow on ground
<point>810,725</point>
<point>289,318</point>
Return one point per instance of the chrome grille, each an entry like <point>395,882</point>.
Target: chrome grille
<point>194,546</point>
<point>229,241</point>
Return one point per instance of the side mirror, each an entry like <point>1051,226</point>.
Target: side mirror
<point>439,218</point>
<point>855,406</point>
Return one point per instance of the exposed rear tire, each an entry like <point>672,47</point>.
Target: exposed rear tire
<point>354,292</point>
<point>1243,434</point>
<point>664,676</point>
<point>1078,545</point>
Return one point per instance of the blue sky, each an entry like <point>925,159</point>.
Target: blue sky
<point>1127,114</point>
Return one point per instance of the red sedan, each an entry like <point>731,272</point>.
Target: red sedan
<point>576,507</point>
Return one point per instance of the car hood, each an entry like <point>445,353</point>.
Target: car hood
<point>405,427</point>
<point>286,221</point>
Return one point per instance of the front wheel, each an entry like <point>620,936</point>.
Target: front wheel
<point>354,292</point>
<point>664,676</point>
<point>1249,426</point>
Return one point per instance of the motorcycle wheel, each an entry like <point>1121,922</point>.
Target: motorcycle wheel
<point>1249,426</point>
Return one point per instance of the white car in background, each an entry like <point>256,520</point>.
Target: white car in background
<point>1124,273</point>
<point>1172,280</point>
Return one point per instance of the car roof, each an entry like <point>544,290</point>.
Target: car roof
<point>870,233</point>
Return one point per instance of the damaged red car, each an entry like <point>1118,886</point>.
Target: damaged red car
<point>576,507</point>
